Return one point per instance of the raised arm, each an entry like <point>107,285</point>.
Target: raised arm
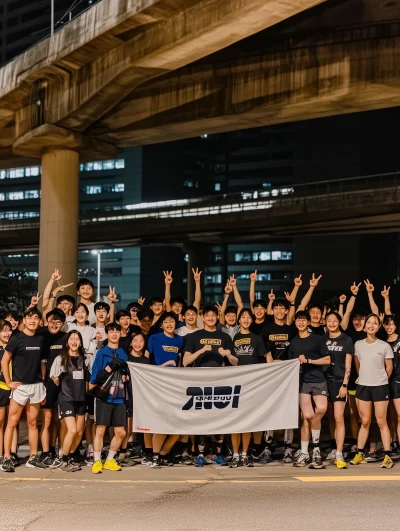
<point>271,298</point>
<point>307,297</point>
<point>370,291</point>
<point>55,277</point>
<point>167,296</point>
<point>252,294</point>
<point>112,298</point>
<point>291,297</point>
<point>342,300</point>
<point>222,308</point>
<point>385,295</point>
<point>197,293</point>
<point>350,305</point>
<point>236,294</point>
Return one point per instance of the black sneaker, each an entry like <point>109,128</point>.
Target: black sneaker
<point>79,458</point>
<point>15,460</point>
<point>7,465</point>
<point>35,462</point>
<point>126,462</point>
<point>165,462</point>
<point>234,462</point>
<point>316,461</point>
<point>245,461</point>
<point>48,461</point>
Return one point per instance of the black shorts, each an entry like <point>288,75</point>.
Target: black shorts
<point>52,392</point>
<point>314,388</point>
<point>333,390</point>
<point>114,415</point>
<point>90,405</point>
<point>394,389</point>
<point>4,397</point>
<point>69,408</point>
<point>369,393</point>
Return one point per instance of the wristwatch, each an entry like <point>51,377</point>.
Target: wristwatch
<point>344,385</point>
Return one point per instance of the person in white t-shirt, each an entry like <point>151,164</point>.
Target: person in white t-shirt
<point>374,363</point>
<point>190,325</point>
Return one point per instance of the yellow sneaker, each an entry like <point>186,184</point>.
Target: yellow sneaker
<point>97,467</point>
<point>340,463</point>
<point>111,464</point>
<point>359,459</point>
<point>387,462</point>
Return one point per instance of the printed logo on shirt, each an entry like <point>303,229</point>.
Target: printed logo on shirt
<point>218,397</point>
<point>210,341</point>
<point>167,348</point>
<point>244,341</point>
<point>32,348</point>
<point>54,347</point>
<point>278,337</point>
<point>333,346</point>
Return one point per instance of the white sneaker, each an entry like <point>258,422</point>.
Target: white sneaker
<point>331,456</point>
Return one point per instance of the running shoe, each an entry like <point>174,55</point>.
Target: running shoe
<point>200,461</point>
<point>340,463</point>
<point>219,460</point>
<point>1,459</point>
<point>234,462</point>
<point>126,462</point>
<point>288,456</point>
<point>89,460</point>
<point>48,461</point>
<point>208,461</point>
<point>301,460</point>
<point>57,462</point>
<point>7,465</point>
<point>185,458</point>
<point>70,467</point>
<point>15,459</point>
<point>331,456</point>
<point>147,460</point>
<point>358,459</point>
<point>265,457</point>
<point>371,457</point>
<point>165,462</point>
<point>111,464</point>
<point>78,457</point>
<point>155,463</point>
<point>35,462</point>
<point>245,461</point>
<point>316,462</point>
<point>97,467</point>
<point>387,462</point>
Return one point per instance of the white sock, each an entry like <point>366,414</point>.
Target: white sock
<point>244,454</point>
<point>304,447</point>
<point>97,456</point>
<point>339,455</point>
<point>110,455</point>
<point>90,449</point>
<point>236,455</point>
<point>315,436</point>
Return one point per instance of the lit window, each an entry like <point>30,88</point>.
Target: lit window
<point>108,164</point>
<point>243,257</point>
<point>265,257</point>
<point>13,196</point>
<point>2,197</point>
<point>19,172</point>
<point>81,167</point>
<point>118,187</point>
<point>264,276</point>
<point>93,189</point>
<point>217,187</point>
<point>32,194</point>
<point>188,184</point>
<point>89,166</point>
<point>119,164</point>
<point>3,174</point>
<point>12,174</point>
<point>97,166</point>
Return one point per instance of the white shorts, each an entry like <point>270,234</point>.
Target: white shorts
<point>33,393</point>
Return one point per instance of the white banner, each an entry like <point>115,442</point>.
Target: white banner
<point>203,401</point>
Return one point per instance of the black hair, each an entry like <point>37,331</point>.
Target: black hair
<point>65,355</point>
<point>84,282</point>
<point>260,302</point>
<point>231,309</point>
<point>281,302</point>
<point>122,313</point>
<point>210,308</point>
<point>112,326</point>
<point>30,312</point>
<point>67,298</point>
<point>358,314</point>
<point>302,314</point>
<point>191,308</point>
<point>179,300</point>
<point>58,314</point>
<point>101,306</point>
<point>145,313</point>
<point>135,305</point>
<point>373,315</point>
<point>246,310</point>
<point>336,314</point>
<point>169,315</point>
<point>135,334</point>
<point>81,305</point>
<point>388,318</point>
<point>13,314</point>
<point>318,306</point>
<point>155,299</point>
<point>5,324</point>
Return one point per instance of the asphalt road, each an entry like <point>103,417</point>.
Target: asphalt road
<point>183,498</point>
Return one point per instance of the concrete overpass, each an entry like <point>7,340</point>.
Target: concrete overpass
<point>351,206</point>
<point>134,72</point>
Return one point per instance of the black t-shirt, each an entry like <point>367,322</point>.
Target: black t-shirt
<point>124,343</point>
<point>277,338</point>
<point>73,380</point>
<point>27,353</point>
<point>212,358</point>
<point>319,330</point>
<point>338,348</point>
<point>395,376</point>
<point>259,328</point>
<point>249,348</point>
<point>1,357</point>
<point>138,359</point>
<point>312,347</point>
<point>53,345</point>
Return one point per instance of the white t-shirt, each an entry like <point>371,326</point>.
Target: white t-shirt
<point>372,358</point>
<point>184,331</point>
<point>88,336</point>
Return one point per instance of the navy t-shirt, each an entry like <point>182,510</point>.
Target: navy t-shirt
<point>163,348</point>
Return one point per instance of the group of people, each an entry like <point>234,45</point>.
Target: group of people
<point>68,364</point>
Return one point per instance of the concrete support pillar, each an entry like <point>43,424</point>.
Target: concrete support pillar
<point>59,214</point>
<point>198,257</point>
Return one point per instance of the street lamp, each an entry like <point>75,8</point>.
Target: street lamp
<point>98,272</point>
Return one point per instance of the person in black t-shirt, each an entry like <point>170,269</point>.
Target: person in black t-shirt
<point>311,351</point>
<point>341,349</point>
<point>5,334</point>
<point>209,348</point>
<point>70,373</point>
<point>122,317</point>
<point>26,352</point>
<point>248,348</point>
<point>53,345</point>
<point>316,312</point>
<point>391,326</point>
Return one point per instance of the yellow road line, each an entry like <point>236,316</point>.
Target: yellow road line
<point>338,479</point>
